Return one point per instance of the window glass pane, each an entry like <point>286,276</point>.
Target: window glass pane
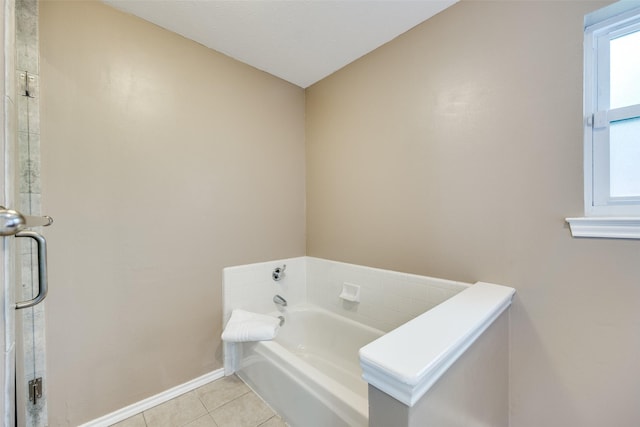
<point>625,70</point>
<point>624,158</point>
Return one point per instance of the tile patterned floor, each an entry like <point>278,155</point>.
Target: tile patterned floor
<point>226,402</point>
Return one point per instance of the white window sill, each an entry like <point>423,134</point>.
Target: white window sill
<point>605,227</point>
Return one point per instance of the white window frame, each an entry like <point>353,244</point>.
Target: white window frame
<point>605,216</point>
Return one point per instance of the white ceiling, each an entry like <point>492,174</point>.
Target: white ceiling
<point>301,41</point>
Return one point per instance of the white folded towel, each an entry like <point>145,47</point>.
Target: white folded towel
<point>245,326</point>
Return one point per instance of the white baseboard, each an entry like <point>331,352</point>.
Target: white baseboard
<point>143,405</point>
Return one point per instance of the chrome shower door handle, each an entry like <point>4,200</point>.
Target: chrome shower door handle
<point>42,269</point>
<point>12,223</point>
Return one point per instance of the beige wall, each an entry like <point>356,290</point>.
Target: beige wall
<point>455,151</point>
<point>163,162</point>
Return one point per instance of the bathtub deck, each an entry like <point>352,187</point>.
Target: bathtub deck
<point>222,403</point>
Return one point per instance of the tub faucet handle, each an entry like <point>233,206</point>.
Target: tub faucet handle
<point>278,300</point>
<point>278,272</point>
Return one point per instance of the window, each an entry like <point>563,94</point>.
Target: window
<point>612,124</point>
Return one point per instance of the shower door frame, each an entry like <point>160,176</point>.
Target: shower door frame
<point>8,162</point>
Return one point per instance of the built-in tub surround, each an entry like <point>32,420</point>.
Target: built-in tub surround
<point>388,299</point>
<point>252,288</point>
<point>474,391</point>
<point>394,309</point>
<point>475,342</point>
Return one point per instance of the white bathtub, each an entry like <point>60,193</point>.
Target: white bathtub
<point>310,374</point>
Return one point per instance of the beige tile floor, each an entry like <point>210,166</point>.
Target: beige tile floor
<point>226,402</point>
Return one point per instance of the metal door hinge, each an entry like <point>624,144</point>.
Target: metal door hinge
<point>35,390</point>
<point>27,81</point>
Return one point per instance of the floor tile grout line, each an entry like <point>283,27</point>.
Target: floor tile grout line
<point>197,418</point>
<point>228,402</point>
<point>208,412</point>
<point>275,413</point>
<point>267,420</point>
<point>225,403</point>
